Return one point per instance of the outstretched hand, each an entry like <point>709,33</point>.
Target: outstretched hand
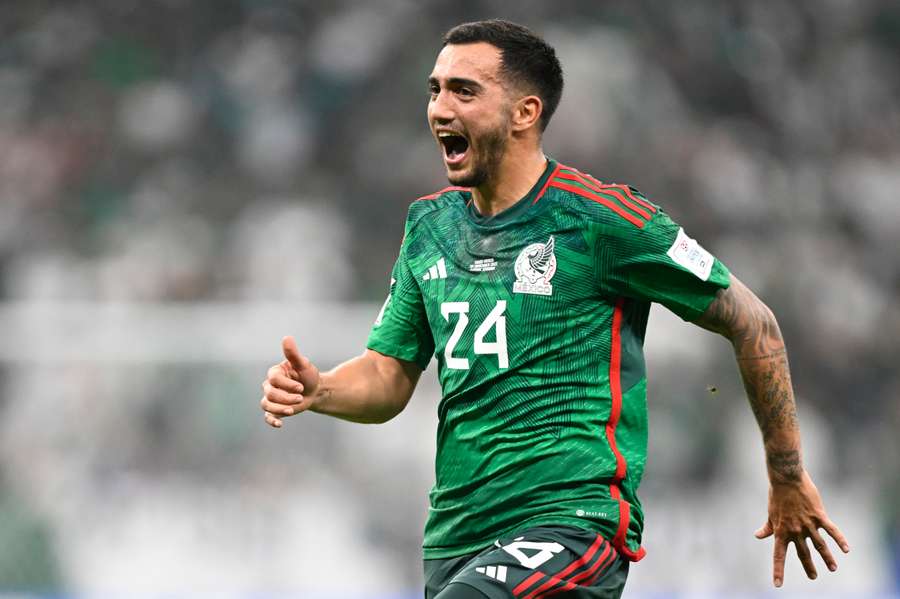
<point>289,386</point>
<point>796,514</point>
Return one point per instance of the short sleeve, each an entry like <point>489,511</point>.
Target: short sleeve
<point>660,263</point>
<point>401,329</point>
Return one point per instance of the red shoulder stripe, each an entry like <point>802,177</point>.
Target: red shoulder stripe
<point>618,209</point>
<point>626,189</point>
<point>609,190</point>
<point>546,185</point>
<point>438,194</point>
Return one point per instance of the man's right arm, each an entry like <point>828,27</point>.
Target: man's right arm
<point>371,388</point>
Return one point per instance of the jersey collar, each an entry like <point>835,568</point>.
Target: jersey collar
<point>517,209</point>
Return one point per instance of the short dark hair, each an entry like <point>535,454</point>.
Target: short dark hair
<point>524,56</point>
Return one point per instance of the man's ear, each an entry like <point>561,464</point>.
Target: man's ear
<point>526,113</point>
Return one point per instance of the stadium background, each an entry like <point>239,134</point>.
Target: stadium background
<point>182,183</point>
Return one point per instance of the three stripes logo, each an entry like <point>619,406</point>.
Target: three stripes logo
<point>495,572</point>
<point>623,200</point>
<point>437,271</point>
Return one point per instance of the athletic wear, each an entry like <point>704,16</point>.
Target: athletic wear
<point>532,564</point>
<point>537,317</point>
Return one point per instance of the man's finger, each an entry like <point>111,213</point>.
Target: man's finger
<point>280,396</point>
<point>292,353</point>
<point>778,561</point>
<point>279,381</point>
<point>820,545</point>
<point>805,557</point>
<point>836,534</point>
<point>764,531</point>
<point>273,421</point>
<point>278,409</point>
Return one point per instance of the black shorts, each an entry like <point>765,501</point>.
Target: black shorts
<point>534,563</point>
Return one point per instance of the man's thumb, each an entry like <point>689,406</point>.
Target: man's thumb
<point>764,532</point>
<point>291,353</point>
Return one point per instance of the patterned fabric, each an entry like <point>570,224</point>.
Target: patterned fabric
<point>537,318</point>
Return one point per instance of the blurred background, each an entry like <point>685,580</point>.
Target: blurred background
<point>184,182</point>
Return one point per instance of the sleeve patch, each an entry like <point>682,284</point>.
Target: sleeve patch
<point>689,254</point>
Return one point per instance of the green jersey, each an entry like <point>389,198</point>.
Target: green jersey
<point>537,317</point>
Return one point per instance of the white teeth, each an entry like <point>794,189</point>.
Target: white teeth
<point>448,134</point>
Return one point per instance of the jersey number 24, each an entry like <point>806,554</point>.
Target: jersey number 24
<point>495,320</point>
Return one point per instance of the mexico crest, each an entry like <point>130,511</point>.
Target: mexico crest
<point>534,268</point>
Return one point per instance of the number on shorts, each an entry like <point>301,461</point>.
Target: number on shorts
<point>545,552</point>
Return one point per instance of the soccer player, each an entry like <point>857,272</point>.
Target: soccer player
<point>530,282</point>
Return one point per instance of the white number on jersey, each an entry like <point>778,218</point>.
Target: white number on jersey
<point>495,320</point>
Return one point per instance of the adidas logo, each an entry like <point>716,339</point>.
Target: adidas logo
<point>495,572</point>
<point>437,271</point>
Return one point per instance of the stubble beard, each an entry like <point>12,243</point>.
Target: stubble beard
<point>493,146</point>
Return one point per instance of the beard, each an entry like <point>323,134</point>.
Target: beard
<point>492,146</point>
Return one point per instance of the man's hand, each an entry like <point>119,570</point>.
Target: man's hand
<point>796,513</point>
<point>290,386</point>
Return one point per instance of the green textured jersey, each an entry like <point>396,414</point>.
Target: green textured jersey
<point>536,317</point>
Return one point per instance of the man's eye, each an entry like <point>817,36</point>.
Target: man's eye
<point>465,91</point>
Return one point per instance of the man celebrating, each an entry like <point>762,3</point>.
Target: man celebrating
<point>531,282</point>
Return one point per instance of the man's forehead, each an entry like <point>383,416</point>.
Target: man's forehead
<point>479,62</point>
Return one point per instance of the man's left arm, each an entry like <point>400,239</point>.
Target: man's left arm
<point>796,512</point>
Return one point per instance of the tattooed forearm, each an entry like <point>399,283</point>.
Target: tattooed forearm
<point>776,353</point>
<point>739,315</point>
<point>785,466</point>
<point>767,381</point>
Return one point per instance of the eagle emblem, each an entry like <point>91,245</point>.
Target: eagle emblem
<point>534,268</point>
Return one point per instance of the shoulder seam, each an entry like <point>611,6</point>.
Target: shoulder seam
<point>417,215</point>
<point>616,197</point>
<point>437,194</point>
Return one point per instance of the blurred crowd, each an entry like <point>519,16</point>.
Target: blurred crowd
<point>245,151</point>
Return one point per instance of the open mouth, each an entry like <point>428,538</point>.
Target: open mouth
<point>455,146</point>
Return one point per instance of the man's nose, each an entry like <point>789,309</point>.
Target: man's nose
<point>440,108</point>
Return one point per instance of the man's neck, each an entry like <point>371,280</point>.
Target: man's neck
<point>516,175</point>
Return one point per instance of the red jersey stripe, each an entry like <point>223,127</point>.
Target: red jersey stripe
<point>619,541</point>
<point>624,518</point>
<point>615,390</point>
<point>626,189</point>
<point>438,194</point>
<point>546,185</point>
<point>609,190</point>
<point>637,222</point>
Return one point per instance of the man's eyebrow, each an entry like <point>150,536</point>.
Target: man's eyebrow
<point>456,82</point>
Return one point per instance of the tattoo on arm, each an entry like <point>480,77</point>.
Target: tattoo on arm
<point>785,466</point>
<point>747,322</point>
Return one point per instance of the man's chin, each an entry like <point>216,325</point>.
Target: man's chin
<point>465,178</point>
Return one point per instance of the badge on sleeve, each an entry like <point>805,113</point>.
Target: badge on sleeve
<point>689,254</point>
